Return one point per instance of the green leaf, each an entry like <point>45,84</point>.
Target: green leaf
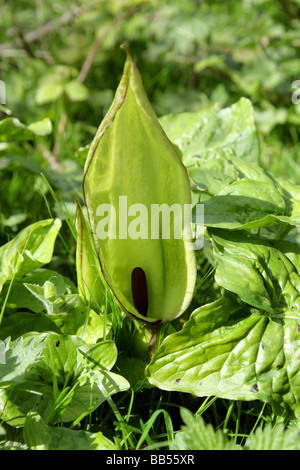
<point>92,389</point>
<point>13,130</point>
<point>96,383</point>
<point>76,91</point>
<point>221,152</point>
<point>195,434</point>
<point>213,174</point>
<point>48,291</point>
<point>60,80</point>
<point>43,127</point>
<point>212,133</point>
<point>48,92</point>
<point>20,356</point>
<point>39,436</point>
<point>104,353</point>
<point>83,322</point>
<point>21,296</point>
<point>19,323</point>
<point>259,271</point>
<point>60,376</point>
<point>60,357</point>
<point>274,438</point>
<point>29,250</point>
<point>248,204</point>
<point>133,369</point>
<point>54,302</point>
<point>227,350</point>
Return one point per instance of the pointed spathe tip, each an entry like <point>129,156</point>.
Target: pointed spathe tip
<point>125,47</point>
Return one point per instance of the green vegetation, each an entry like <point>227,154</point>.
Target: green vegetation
<point>75,372</point>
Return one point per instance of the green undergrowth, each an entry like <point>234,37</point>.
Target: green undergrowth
<point>77,374</point>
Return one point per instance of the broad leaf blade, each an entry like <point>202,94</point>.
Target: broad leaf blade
<point>226,351</point>
<point>39,436</point>
<point>212,133</point>
<point>259,271</point>
<point>60,376</point>
<point>249,203</point>
<point>29,250</point>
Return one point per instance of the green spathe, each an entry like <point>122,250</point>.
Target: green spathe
<point>131,156</point>
<point>91,284</point>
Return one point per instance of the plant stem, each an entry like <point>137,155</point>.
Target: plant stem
<point>153,345</point>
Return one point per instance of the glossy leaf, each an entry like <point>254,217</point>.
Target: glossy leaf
<point>29,250</point>
<point>214,133</point>
<point>39,436</point>
<point>228,350</point>
<point>60,376</point>
<point>259,271</point>
<point>249,203</point>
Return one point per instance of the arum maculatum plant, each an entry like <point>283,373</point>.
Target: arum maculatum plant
<point>132,171</point>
